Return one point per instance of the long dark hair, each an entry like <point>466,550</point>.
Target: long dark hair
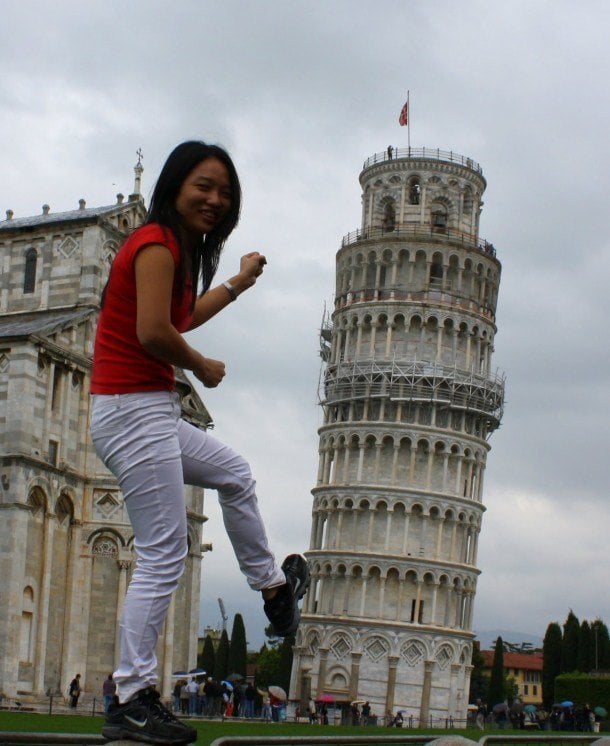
<point>200,261</point>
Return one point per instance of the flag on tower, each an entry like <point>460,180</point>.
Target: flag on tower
<point>404,114</point>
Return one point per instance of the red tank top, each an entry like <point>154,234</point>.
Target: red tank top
<point>120,364</point>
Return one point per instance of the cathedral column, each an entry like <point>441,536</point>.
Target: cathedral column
<point>42,621</point>
<point>400,595</point>
<point>331,594</point>
<point>390,689</point>
<point>354,679</point>
<point>454,689</point>
<point>424,710</point>
<point>323,657</point>
<point>123,568</point>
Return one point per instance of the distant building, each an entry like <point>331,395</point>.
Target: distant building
<point>66,546</point>
<point>525,669</point>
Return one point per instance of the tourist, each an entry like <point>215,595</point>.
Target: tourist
<point>74,691</point>
<point>108,691</point>
<point>160,286</point>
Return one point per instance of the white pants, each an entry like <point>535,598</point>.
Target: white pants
<point>153,453</point>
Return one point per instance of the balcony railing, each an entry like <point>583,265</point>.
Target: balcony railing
<point>417,230</point>
<point>434,154</point>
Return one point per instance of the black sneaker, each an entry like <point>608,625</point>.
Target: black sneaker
<point>282,610</point>
<point>144,718</point>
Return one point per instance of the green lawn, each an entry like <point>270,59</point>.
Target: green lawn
<point>208,730</point>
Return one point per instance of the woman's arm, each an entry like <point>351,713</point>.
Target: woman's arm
<point>210,303</point>
<point>154,272</point>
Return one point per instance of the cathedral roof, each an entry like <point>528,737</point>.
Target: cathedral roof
<point>85,213</point>
<point>41,322</point>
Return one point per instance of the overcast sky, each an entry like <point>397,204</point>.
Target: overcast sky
<point>301,94</point>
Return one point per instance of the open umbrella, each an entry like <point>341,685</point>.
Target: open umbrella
<point>359,702</point>
<point>235,677</point>
<point>601,711</point>
<point>326,698</point>
<point>197,671</point>
<point>228,685</point>
<point>180,673</point>
<point>500,707</point>
<point>567,703</point>
<point>530,708</point>
<point>278,692</point>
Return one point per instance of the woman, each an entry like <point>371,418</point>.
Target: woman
<point>150,299</point>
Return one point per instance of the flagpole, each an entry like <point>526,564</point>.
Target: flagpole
<point>409,121</point>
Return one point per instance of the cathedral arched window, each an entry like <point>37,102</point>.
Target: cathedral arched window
<point>29,280</point>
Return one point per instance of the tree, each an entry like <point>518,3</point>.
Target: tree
<point>551,662</point>
<point>222,657</point>
<point>571,639</point>
<point>238,653</point>
<point>586,653</point>
<point>601,646</point>
<point>479,681</point>
<point>207,658</point>
<point>286,662</point>
<point>497,683</point>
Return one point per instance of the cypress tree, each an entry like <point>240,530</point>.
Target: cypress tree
<point>479,681</point>
<point>238,653</point>
<point>569,648</point>
<point>551,663</point>
<point>207,659</point>
<point>221,663</point>
<point>600,642</point>
<point>586,652</point>
<point>497,684</point>
<point>285,666</point>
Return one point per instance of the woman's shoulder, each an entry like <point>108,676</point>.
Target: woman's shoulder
<point>147,234</point>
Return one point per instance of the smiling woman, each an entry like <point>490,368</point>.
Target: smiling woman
<point>150,300</point>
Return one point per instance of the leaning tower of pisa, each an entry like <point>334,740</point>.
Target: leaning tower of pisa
<point>410,401</point>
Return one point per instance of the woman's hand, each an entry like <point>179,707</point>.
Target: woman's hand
<point>251,267</point>
<point>210,372</point>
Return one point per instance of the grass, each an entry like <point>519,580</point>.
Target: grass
<point>209,730</point>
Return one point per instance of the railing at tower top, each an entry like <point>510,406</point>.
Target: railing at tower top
<point>417,381</point>
<point>433,154</point>
<point>417,230</point>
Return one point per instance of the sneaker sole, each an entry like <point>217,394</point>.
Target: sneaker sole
<point>302,568</point>
<point>117,733</point>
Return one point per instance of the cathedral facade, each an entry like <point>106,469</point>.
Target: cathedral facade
<point>66,546</point>
<point>409,400</point>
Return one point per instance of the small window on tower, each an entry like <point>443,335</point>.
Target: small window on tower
<point>414,190</point>
<point>29,281</point>
<point>389,217</point>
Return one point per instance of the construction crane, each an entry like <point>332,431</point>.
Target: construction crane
<point>223,614</point>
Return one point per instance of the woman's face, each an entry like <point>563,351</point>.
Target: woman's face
<point>204,198</point>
